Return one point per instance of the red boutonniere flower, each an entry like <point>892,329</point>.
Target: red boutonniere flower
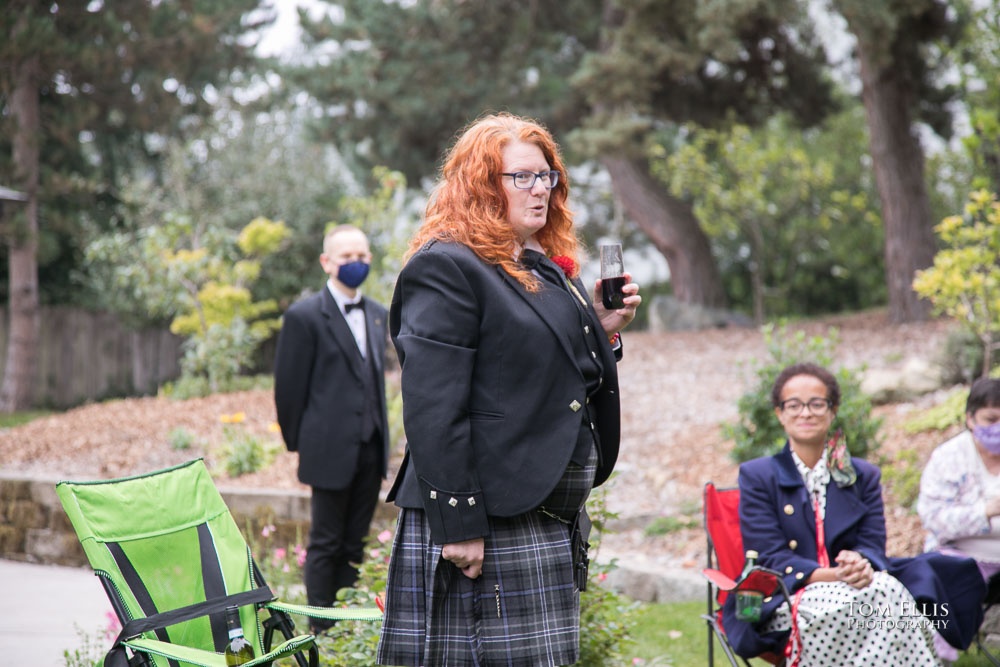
<point>568,266</point>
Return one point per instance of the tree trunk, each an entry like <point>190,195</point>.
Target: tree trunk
<point>898,161</point>
<point>16,391</point>
<point>672,227</point>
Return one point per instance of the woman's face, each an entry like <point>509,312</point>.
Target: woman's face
<point>985,416</point>
<point>805,428</point>
<point>527,210</point>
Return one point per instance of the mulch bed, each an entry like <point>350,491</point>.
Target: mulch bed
<point>677,388</point>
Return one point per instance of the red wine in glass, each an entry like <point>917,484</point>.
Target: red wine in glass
<point>612,276</point>
<point>611,292</point>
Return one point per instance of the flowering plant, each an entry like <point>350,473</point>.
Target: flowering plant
<point>567,265</point>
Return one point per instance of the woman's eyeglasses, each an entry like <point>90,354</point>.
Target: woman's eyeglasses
<point>525,180</point>
<point>817,406</point>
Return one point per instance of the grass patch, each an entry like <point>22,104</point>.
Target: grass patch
<point>18,418</point>
<point>674,634</point>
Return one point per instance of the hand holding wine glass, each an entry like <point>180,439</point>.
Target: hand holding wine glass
<point>615,296</point>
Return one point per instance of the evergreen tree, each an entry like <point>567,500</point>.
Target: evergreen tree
<point>400,79</point>
<point>898,58</point>
<point>84,91</point>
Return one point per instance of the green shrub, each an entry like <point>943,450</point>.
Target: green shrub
<point>242,452</point>
<point>195,387</point>
<point>663,525</point>
<point>91,651</point>
<point>180,438</point>
<point>606,617</point>
<point>947,413</point>
<point>758,433</point>
<point>903,477</point>
<point>961,357</point>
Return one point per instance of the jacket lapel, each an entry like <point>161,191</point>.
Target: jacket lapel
<point>591,312</point>
<point>793,488</point>
<point>536,305</point>
<point>375,331</point>
<point>340,330</point>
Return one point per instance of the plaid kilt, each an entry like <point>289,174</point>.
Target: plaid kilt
<point>524,610</point>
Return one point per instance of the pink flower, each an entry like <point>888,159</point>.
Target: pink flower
<point>602,576</point>
<point>268,529</point>
<point>286,568</point>
<point>114,626</point>
<point>300,555</point>
<point>384,536</point>
<point>279,555</point>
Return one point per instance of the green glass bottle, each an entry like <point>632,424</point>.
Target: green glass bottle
<point>238,650</point>
<point>749,602</point>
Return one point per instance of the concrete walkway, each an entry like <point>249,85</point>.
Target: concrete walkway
<point>43,607</point>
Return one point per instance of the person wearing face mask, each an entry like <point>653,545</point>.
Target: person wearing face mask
<point>329,391</point>
<point>959,502</point>
<point>510,406</point>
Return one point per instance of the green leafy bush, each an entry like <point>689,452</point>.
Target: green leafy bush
<point>964,282</point>
<point>180,438</point>
<point>902,476</point>
<point>949,412</point>
<point>194,387</point>
<point>243,452</point>
<point>757,431</point>
<point>664,525</point>
<point>606,617</point>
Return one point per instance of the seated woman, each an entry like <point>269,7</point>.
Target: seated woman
<point>814,514</point>
<point>959,501</point>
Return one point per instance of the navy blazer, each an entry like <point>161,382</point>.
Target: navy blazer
<point>493,397</point>
<point>777,521</point>
<point>318,387</point>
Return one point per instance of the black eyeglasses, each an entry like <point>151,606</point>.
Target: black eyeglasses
<point>817,406</point>
<point>525,180</point>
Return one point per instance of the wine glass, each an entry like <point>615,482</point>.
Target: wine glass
<point>612,276</point>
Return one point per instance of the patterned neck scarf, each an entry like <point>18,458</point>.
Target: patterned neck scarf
<point>815,478</point>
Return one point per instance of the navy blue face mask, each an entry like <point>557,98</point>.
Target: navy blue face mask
<point>352,274</point>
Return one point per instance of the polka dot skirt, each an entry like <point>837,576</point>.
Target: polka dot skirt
<point>875,625</point>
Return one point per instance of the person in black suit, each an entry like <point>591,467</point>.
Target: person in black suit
<point>510,407</point>
<point>329,390</point>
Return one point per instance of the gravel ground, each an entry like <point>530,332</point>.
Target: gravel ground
<point>677,388</point>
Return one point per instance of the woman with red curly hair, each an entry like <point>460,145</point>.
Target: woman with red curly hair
<point>511,411</point>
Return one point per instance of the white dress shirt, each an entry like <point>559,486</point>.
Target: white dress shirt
<point>355,318</point>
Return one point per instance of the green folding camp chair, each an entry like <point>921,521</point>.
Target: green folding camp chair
<point>171,559</point>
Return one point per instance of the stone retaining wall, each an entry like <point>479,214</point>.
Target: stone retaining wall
<point>34,528</point>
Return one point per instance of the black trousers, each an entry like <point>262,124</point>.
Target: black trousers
<point>340,522</point>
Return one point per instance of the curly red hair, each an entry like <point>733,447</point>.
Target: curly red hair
<point>469,205</point>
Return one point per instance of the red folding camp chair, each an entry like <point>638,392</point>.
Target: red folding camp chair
<point>725,553</point>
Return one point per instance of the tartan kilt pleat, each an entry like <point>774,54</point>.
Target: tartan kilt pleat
<point>524,610</point>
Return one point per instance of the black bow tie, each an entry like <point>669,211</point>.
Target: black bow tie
<point>536,261</point>
<point>530,258</point>
<point>348,307</point>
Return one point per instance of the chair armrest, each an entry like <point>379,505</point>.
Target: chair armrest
<point>329,613</point>
<point>718,579</point>
<point>204,658</point>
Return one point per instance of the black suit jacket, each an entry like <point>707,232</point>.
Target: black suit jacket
<point>318,387</point>
<point>492,396</point>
